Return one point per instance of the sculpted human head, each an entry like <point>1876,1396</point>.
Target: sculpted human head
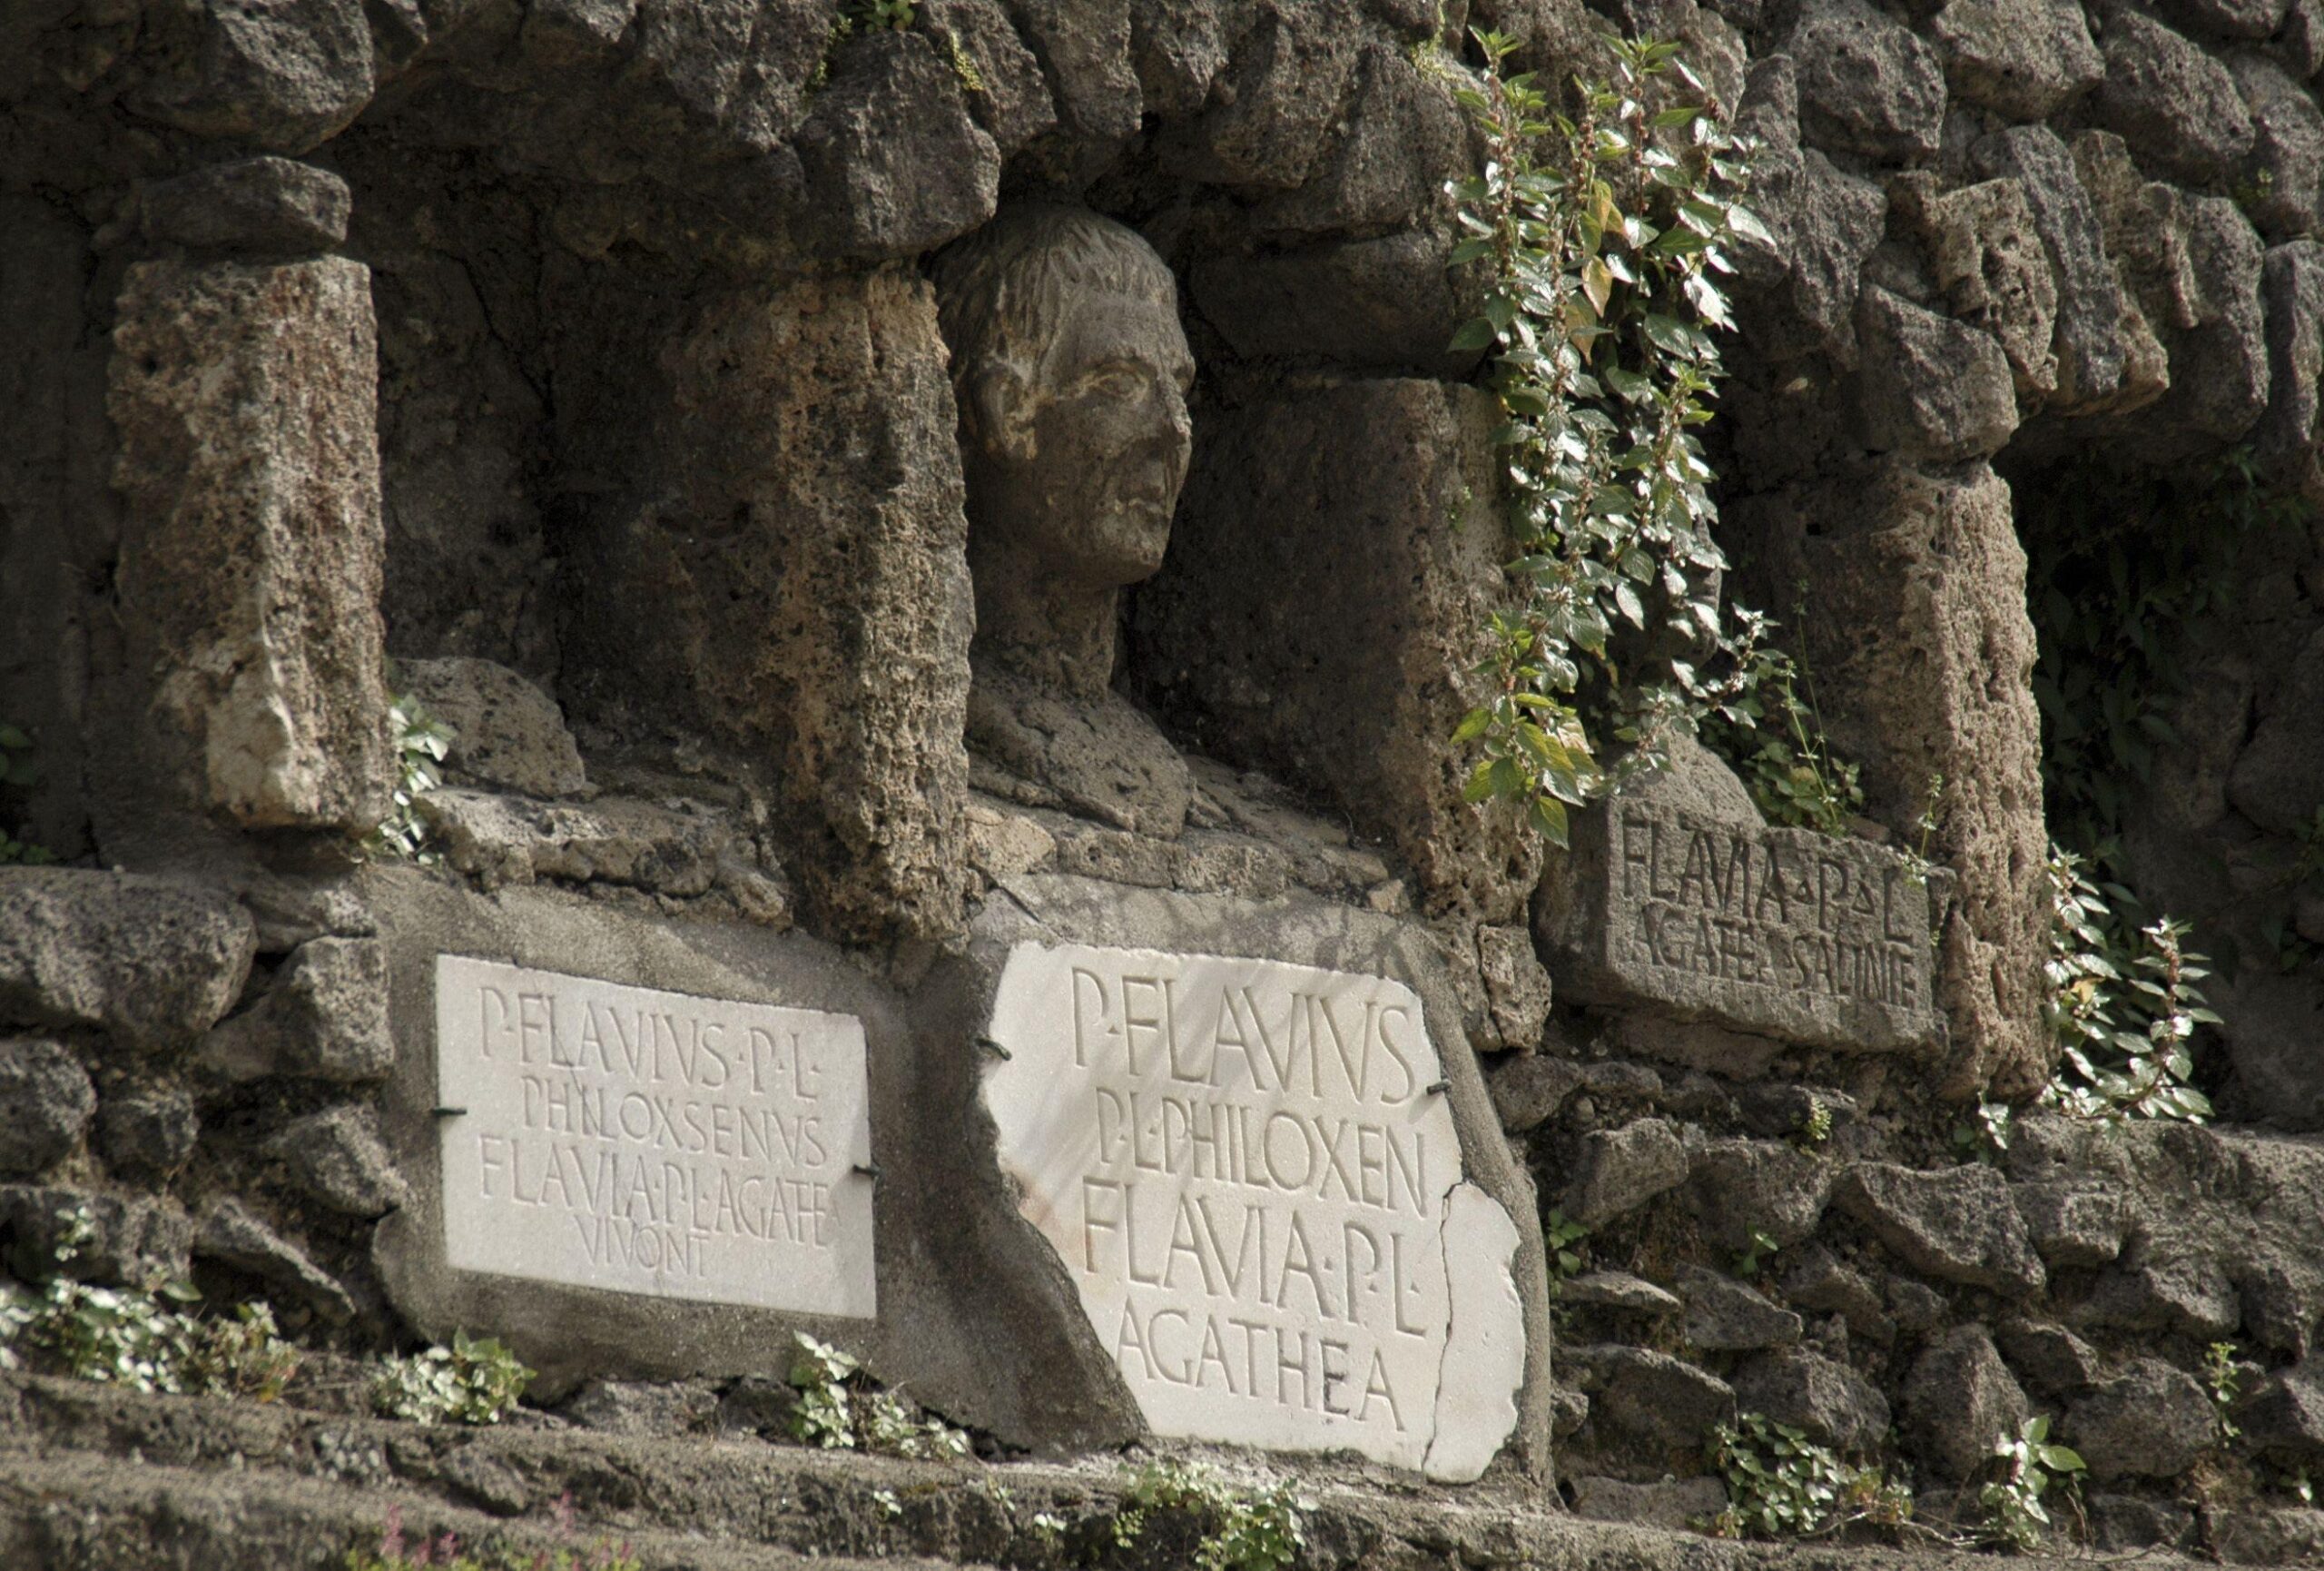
<point>1071,373</point>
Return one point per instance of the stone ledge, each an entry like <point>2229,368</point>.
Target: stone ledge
<point>227,1484</point>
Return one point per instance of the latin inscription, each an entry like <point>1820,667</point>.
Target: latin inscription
<point>1772,929</point>
<point>1247,1166</point>
<point>653,1143</point>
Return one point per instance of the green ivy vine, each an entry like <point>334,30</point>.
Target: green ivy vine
<point>1601,235</point>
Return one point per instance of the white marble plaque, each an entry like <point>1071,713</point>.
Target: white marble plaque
<point>653,1143</point>
<point>1250,1171</point>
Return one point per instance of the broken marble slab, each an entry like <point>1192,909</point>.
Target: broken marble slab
<point>1250,1171</point>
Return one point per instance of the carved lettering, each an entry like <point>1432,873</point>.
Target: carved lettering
<point>1245,1167</point>
<point>644,1141</point>
<point>1770,930</point>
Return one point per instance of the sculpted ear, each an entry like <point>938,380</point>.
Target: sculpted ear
<point>1001,412</point>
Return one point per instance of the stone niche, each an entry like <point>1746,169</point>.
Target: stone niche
<point>636,1148</point>
<point>1684,904</point>
<point>1234,1161</point>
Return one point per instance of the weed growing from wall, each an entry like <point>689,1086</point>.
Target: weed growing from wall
<point>1782,1485</point>
<point>421,742</point>
<point>839,1408</point>
<point>2032,1467</point>
<point>2124,1006</point>
<point>146,1341</point>
<point>475,1381</point>
<point>1773,733</point>
<point>1600,235</point>
<point>1255,1530</point>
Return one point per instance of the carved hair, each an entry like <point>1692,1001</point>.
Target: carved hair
<point>1001,291</point>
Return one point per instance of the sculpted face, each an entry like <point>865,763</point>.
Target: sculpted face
<point>1079,464</point>
<point>1071,376</point>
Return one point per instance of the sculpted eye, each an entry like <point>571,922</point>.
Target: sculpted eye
<point>1116,382</point>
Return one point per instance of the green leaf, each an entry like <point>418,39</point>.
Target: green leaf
<point>1476,334</point>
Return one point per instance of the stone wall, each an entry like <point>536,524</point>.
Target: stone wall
<point>577,369</point>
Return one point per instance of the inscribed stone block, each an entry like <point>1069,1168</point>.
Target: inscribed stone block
<point>1806,937</point>
<point>640,1149</point>
<point>650,1141</point>
<point>1251,1172</point>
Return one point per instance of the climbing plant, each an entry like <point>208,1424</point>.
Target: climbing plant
<point>2124,1006</point>
<point>1600,235</point>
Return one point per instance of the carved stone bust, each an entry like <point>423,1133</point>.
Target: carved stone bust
<point>1071,374</point>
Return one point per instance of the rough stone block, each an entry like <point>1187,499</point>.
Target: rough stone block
<point>2152,1421</point>
<point>2073,1224</point>
<point>1527,1089</point>
<point>110,1239</point>
<point>2020,58</point>
<point>1271,109</point>
<point>789,576</point>
<point>1923,658</point>
<point>152,961</point>
<point>271,205</point>
<point>336,1156</point>
<point>506,732</point>
<point>2289,147</point>
<point>1956,1223</point>
<point>2251,19</point>
<point>2288,435</point>
<point>1832,1402</point>
<point>501,841</point>
<point>1739,1188</point>
<point>1618,1170</point>
<point>245,397</point>
<point>1517,987</point>
<point>1779,932</point>
<point>1619,1291</point>
<point>1958,1401</point>
<point>1013,103</point>
<point>229,1233</point>
<point>1645,1405</point>
<point>2283,1416</point>
<point>1362,506</point>
<point>279,73</point>
<point>2173,103</point>
<point>148,1134</point>
<point>1930,387</point>
<point>894,165</point>
<point>325,1018</point>
<point>49,1102</point>
<point>1814,1280</point>
<point>1723,1314</point>
<point>1987,253</point>
<point>1084,48</point>
<point>2091,359</point>
<point>1867,84</point>
<point>1823,225</point>
<point>2293,1536</point>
